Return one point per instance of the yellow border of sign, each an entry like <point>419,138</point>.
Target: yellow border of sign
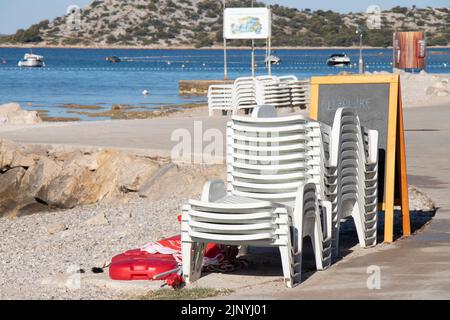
<point>395,149</point>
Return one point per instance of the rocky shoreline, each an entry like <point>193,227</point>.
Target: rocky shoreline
<point>13,114</point>
<point>117,112</point>
<point>37,178</point>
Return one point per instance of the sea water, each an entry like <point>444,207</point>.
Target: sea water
<point>84,77</point>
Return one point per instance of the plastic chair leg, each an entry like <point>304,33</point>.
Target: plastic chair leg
<point>359,224</point>
<point>192,260</point>
<point>286,261</point>
<point>318,245</point>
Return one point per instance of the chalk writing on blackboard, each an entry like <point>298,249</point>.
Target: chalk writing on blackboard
<point>360,103</point>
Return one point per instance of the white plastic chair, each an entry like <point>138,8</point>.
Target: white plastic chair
<point>220,97</point>
<point>268,200</point>
<point>243,94</point>
<point>273,91</point>
<point>352,177</point>
<point>300,92</point>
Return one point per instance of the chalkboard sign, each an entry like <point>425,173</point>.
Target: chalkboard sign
<point>371,101</point>
<point>377,100</point>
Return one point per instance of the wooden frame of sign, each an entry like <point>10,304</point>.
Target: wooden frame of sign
<point>375,97</point>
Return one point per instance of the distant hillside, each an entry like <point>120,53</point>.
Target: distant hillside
<point>199,23</point>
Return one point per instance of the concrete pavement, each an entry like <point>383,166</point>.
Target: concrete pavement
<point>148,137</point>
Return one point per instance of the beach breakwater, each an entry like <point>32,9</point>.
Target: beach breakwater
<point>198,87</point>
<point>35,178</point>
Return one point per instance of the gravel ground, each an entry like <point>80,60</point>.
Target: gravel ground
<point>35,264</point>
<point>41,255</point>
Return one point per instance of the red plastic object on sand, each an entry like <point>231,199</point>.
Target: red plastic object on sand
<point>141,265</point>
<point>144,269</point>
<point>138,254</point>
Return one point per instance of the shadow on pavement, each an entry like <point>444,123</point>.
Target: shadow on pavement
<point>267,261</point>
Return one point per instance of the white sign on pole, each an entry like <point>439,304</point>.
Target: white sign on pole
<point>247,23</point>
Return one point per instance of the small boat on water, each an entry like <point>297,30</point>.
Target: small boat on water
<point>31,60</point>
<point>113,59</point>
<point>338,59</point>
<point>273,60</point>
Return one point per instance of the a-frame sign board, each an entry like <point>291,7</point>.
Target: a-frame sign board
<point>378,101</point>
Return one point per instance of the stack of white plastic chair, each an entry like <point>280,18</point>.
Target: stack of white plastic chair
<point>248,92</point>
<point>272,91</point>
<point>371,173</point>
<point>269,199</point>
<point>244,96</point>
<point>352,176</point>
<point>300,91</point>
<point>288,78</point>
<point>220,97</point>
<point>330,167</point>
<point>318,162</point>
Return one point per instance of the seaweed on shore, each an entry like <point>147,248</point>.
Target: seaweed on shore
<point>82,107</point>
<point>122,112</point>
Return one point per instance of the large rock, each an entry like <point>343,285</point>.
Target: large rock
<point>136,173</point>
<point>38,177</point>
<point>11,113</point>
<point>11,156</point>
<point>73,160</point>
<point>31,179</point>
<point>87,178</point>
<point>185,181</point>
<point>419,200</point>
<point>9,188</point>
<point>79,182</point>
<point>10,181</point>
<point>61,192</point>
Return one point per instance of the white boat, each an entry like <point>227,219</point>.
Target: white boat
<point>273,60</point>
<point>338,59</point>
<point>32,61</point>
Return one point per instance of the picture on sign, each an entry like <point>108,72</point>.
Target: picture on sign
<point>247,23</point>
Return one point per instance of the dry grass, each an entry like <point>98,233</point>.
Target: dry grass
<point>182,294</point>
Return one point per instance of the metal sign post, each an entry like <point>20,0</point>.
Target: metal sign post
<point>253,58</point>
<point>269,49</point>
<point>225,62</point>
<point>361,59</point>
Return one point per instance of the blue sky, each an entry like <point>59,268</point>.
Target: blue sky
<point>15,14</point>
